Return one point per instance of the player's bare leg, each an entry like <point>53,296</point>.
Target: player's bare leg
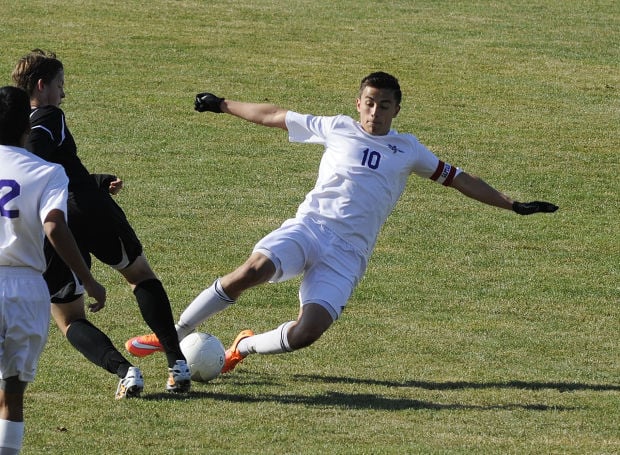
<point>257,269</point>
<point>312,322</point>
<point>11,414</point>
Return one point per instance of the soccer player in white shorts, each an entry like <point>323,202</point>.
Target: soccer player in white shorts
<point>362,174</point>
<point>331,266</point>
<point>33,204</point>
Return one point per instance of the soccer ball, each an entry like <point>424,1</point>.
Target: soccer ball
<point>205,355</point>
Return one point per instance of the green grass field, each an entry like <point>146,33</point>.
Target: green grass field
<point>475,330</point>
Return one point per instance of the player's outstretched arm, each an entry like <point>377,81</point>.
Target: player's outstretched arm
<point>62,240</point>
<point>476,188</point>
<point>260,113</point>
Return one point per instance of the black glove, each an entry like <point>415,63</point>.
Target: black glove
<point>527,208</point>
<point>208,102</point>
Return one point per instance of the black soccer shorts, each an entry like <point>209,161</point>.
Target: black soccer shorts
<point>101,229</point>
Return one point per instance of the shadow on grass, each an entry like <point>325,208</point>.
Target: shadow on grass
<point>351,401</point>
<point>376,401</point>
<point>458,385</point>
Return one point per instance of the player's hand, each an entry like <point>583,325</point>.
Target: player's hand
<point>208,102</point>
<point>527,208</point>
<point>97,292</point>
<point>115,186</point>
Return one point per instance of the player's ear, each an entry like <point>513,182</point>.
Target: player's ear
<point>40,85</point>
<point>358,103</point>
<point>396,111</point>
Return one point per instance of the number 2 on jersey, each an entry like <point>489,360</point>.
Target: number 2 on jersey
<point>14,191</point>
<point>371,159</point>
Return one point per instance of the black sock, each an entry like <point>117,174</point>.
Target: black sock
<point>156,312</point>
<point>97,347</point>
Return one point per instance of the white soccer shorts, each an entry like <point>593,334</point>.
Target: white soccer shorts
<point>331,266</point>
<point>24,321</point>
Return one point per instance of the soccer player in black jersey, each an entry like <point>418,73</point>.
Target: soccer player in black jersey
<point>100,228</point>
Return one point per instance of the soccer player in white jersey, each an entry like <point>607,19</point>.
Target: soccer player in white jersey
<point>33,204</point>
<point>362,174</point>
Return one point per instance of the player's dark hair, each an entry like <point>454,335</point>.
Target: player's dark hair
<point>14,115</point>
<point>37,65</point>
<point>382,80</point>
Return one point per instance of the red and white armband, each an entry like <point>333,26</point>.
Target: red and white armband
<point>445,173</point>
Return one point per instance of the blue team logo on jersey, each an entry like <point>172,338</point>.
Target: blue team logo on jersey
<point>395,149</point>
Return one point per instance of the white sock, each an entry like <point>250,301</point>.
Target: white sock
<point>11,437</point>
<point>210,301</point>
<point>273,342</point>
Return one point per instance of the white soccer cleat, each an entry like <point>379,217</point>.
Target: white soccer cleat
<point>179,378</point>
<point>131,385</point>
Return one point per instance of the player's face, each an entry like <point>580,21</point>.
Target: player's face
<point>377,107</point>
<point>54,92</point>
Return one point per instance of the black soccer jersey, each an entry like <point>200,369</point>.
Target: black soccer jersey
<point>51,140</point>
<point>98,224</point>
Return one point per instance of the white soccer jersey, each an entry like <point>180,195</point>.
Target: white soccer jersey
<point>30,188</point>
<point>361,176</point>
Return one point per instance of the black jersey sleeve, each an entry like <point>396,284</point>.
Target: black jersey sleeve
<point>47,131</point>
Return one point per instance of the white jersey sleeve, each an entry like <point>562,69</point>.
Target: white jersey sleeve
<point>308,128</point>
<point>54,195</point>
<point>30,188</point>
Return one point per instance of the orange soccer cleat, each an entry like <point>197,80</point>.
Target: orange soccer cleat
<point>143,345</point>
<point>233,356</point>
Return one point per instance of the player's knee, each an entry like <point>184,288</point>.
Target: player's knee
<point>138,272</point>
<point>67,313</point>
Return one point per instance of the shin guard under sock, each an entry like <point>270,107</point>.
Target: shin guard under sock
<point>209,302</point>
<point>157,313</point>
<point>97,347</point>
<point>273,342</point>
